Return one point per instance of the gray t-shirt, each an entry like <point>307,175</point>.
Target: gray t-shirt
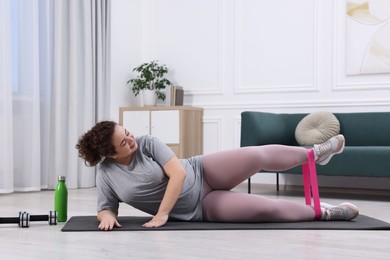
<point>142,184</point>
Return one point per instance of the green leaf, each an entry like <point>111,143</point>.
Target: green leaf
<point>150,75</point>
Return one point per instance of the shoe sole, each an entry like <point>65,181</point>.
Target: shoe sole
<point>330,156</point>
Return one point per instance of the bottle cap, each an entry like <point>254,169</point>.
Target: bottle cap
<point>61,178</point>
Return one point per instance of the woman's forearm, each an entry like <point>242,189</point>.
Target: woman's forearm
<point>172,193</point>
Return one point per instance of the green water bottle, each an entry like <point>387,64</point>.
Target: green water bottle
<point>61,199</point>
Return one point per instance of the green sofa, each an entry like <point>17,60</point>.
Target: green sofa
<point>367,135</point>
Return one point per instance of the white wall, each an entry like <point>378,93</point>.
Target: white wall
<point>231,56</point>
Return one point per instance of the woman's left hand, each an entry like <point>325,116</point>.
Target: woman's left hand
<point>157,221</point>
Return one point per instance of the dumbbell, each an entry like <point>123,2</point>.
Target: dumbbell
<point>24,219</point>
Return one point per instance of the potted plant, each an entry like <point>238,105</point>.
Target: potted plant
<point>150,77</point>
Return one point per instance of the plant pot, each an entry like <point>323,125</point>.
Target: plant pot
<point>149,97</point>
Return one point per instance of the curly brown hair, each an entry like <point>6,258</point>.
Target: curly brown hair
<point>96,144</point>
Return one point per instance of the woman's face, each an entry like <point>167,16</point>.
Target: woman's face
<point>125,145</point>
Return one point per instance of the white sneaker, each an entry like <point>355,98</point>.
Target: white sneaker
<point>325,151</point>
<point>344,211</point>
<point>324,205</point>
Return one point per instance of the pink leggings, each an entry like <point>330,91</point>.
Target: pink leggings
<point>224,170</point>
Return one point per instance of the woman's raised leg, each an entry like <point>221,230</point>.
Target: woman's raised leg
<point>225,170</point>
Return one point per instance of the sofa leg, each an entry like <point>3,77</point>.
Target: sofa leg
<point>277,181</point>
<point>249,185</point>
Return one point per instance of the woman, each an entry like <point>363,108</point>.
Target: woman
<point>144,173</point>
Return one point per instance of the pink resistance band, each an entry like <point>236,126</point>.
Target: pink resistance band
<point>311,184</point>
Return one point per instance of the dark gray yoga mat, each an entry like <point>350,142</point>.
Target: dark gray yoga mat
<point>90,223</point>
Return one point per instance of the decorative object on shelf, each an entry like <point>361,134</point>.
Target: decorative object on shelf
<point>149,97</point>
<point>175,95</point>
<point>151,76</point>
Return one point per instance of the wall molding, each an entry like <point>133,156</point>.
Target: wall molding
<point>148,40</point>
<point>308,87</point>
<point>346,103</point>
<point>218,123</point>
<point>212,90</point>
<point>237,131</point>
<point>354,86</point>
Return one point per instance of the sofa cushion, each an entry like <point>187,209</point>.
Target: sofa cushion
<point>316,128</point>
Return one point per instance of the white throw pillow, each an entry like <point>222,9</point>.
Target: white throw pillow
<point>316,128</point>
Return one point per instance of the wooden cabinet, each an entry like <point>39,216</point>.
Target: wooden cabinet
<point>180,127</point>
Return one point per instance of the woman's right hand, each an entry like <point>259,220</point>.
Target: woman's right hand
<point>107,220</point>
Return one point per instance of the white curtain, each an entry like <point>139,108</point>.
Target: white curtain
<point>53,78</point>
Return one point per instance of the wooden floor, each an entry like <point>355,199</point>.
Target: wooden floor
<point>42,241</point>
